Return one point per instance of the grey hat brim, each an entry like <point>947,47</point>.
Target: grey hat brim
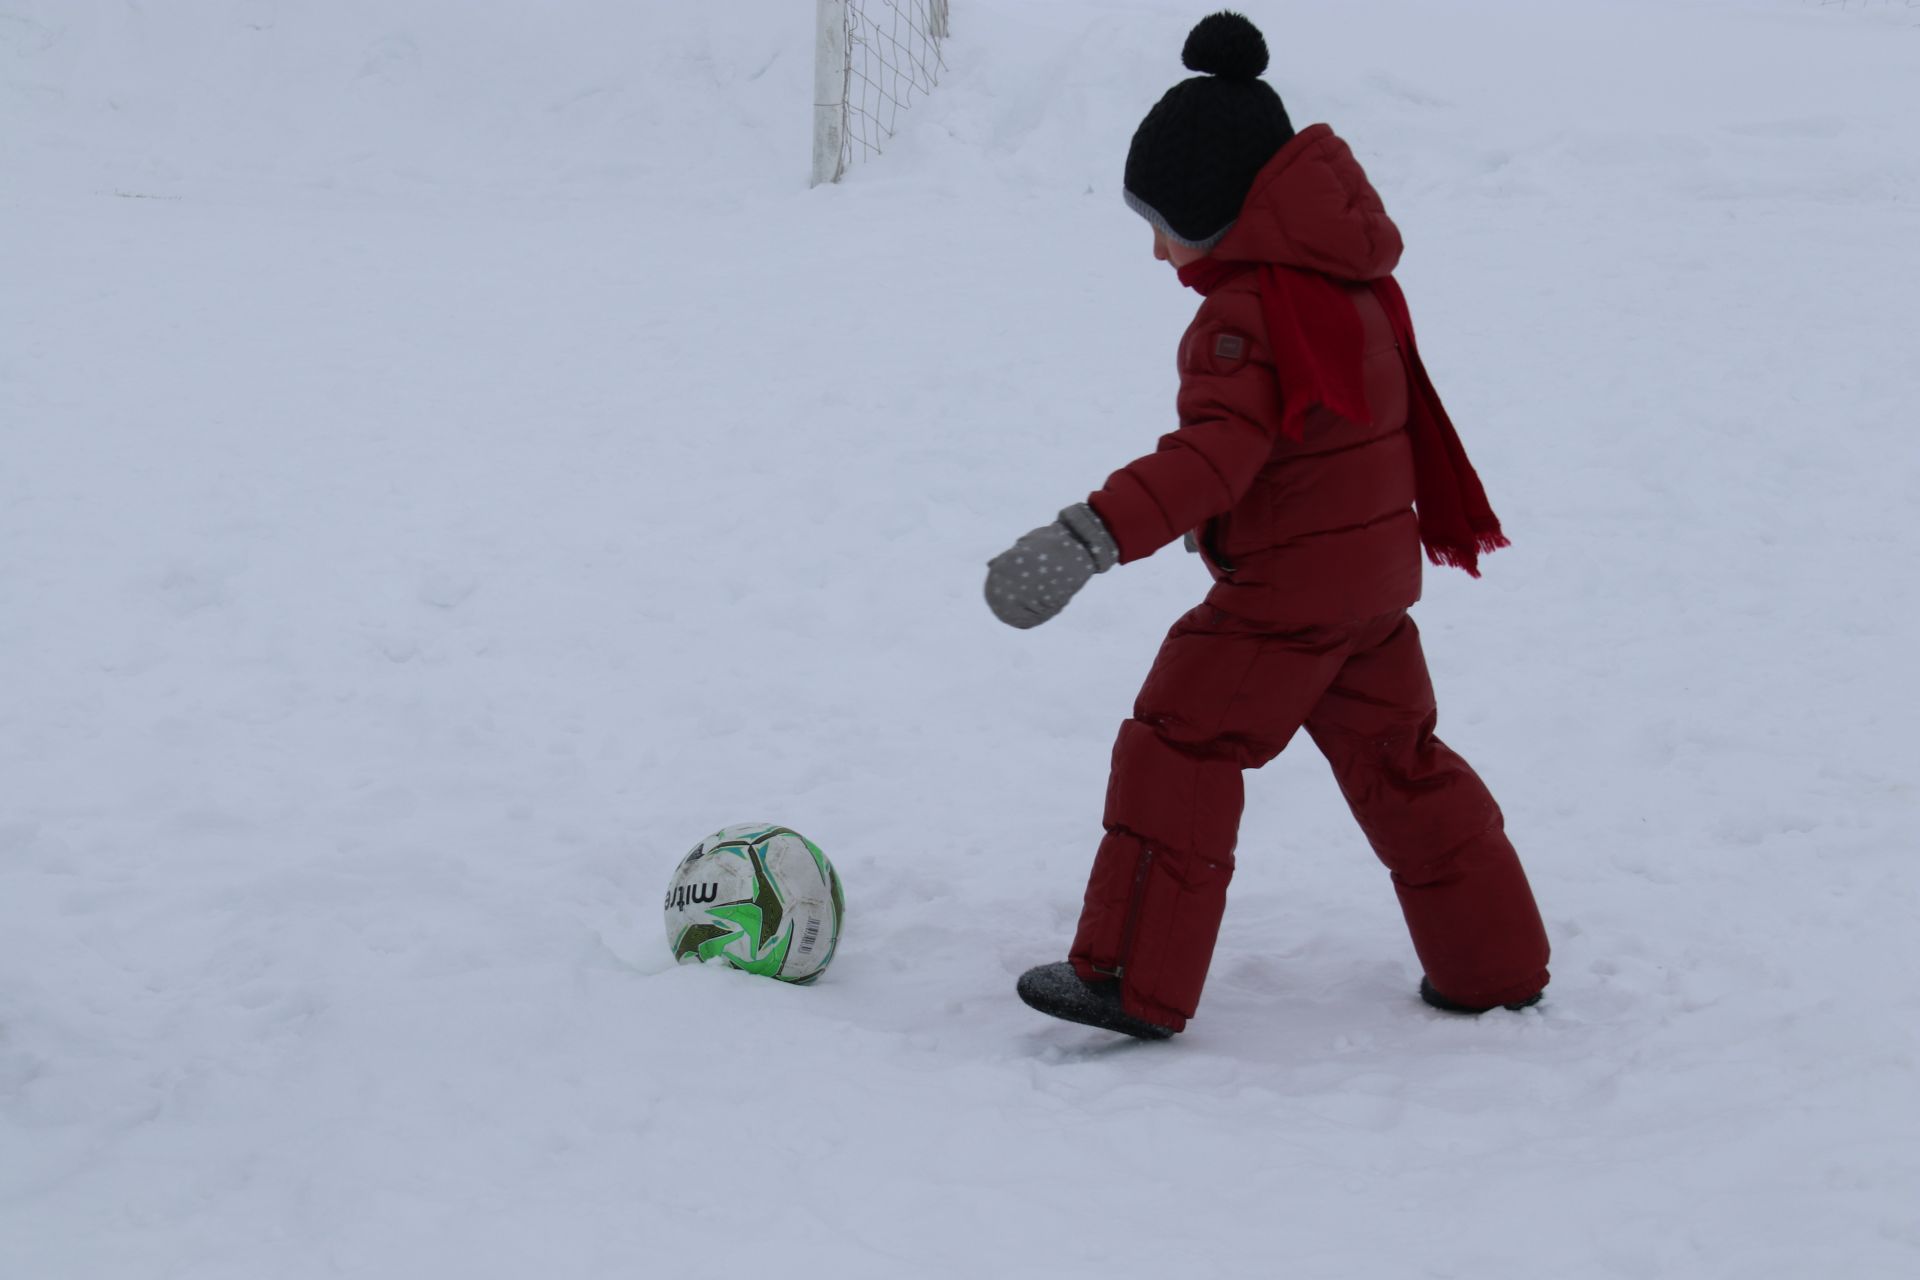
<point>1161,225</point>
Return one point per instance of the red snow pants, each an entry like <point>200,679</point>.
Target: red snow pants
<point>1224,696</point>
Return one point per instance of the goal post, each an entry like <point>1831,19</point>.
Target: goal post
<point>829,91</point>
<point>870,58</point>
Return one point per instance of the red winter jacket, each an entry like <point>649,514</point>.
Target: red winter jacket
<point>1296,533</point>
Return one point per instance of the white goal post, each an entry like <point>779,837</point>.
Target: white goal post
<point>870,58</point>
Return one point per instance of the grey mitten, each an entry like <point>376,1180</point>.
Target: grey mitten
<point>1033,579</point>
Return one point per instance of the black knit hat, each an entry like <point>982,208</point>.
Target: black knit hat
<point>1195,156</point>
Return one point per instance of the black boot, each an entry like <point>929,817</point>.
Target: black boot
<point>1439,1001</point>
<point>1057,990</point>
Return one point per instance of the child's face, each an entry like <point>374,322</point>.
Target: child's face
<point>1165,250</point>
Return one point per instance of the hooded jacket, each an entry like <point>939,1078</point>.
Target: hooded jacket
<point>1301,532</point>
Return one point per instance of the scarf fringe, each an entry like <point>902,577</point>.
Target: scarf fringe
<point>1467,558</point>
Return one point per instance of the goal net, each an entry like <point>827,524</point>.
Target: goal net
<point>872,57</point>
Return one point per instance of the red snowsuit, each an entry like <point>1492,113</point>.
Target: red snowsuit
<point>1315,551</point>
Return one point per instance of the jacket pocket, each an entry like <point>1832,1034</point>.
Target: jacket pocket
<point>1213,540</point>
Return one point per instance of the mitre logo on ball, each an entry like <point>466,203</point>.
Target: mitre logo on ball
<point>682,895</point>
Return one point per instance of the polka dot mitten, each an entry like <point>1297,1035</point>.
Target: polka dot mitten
<point>1033,580</point>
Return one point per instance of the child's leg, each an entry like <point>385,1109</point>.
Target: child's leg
<point>1220,698</point>
<point>1432,822</point>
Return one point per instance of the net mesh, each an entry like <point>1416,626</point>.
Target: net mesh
<point>893,53</point>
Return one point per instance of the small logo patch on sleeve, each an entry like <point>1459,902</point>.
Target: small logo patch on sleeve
<point>1215,352</point>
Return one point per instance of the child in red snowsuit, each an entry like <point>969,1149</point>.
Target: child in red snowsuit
<point>1312,464</point>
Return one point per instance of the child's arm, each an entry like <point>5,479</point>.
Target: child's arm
<point>1229,410</point>
<point>1229,407</point>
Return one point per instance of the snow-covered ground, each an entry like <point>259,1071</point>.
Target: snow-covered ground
<point>449,463</point>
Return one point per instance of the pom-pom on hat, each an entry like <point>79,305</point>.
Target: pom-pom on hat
<point>1195,156</point>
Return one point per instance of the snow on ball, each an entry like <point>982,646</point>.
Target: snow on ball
<point>759,897</point>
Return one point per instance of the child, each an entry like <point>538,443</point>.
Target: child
<point>1309,434</point>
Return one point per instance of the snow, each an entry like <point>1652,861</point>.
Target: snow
<point>450,463</point>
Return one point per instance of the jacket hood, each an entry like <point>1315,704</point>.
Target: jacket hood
<point>1312,207</point>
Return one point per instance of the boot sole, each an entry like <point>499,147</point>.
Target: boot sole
<point>1446,1005</point>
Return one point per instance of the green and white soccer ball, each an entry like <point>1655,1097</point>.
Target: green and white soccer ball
<point>760,898</point>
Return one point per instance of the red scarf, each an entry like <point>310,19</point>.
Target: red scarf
<point>1316,338</point>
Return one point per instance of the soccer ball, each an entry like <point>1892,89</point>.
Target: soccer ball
<point>760,898</point>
